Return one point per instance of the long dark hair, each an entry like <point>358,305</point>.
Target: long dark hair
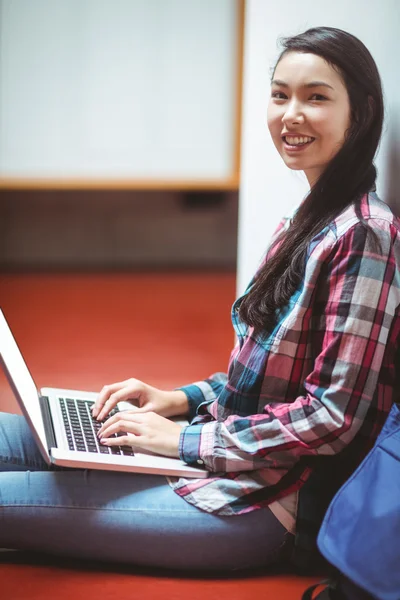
<point>348,176</point>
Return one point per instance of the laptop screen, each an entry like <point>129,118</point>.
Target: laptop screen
<point>22,384</point>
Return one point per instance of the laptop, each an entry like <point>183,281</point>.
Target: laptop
<point>63,427</point>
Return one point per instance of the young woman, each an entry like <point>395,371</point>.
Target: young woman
<point>310,380</point>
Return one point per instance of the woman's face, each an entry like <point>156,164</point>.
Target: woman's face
<point>308,112</point>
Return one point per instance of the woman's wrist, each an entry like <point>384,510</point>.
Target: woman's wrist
<point>180,403</point>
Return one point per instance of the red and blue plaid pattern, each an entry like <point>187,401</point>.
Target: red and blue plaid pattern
<point>323,378</point>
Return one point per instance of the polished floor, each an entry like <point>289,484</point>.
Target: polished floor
<point>85,330</point>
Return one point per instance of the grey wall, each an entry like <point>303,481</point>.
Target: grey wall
<point>117,230</point>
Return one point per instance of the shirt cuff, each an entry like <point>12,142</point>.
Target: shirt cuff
<point>189,445</point>
<point>196,445</point>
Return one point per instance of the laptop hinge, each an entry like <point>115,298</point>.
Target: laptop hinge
<point>48,422</point>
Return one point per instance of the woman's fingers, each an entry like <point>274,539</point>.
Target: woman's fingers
<point>104,395</point>
<point>121,440</point>
<point>118,426</point>
<point>110,395</point>
<point>112,401</point>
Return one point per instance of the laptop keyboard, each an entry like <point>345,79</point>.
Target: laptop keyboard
<point>81,428</point>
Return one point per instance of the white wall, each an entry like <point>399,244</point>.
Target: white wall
<point>125,89</point>
<point>268,188</point>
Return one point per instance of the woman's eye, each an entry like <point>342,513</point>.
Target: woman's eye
<point>318,97</point>
<point>278,95</point>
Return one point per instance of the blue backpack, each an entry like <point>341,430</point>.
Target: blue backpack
<point>360,533</point>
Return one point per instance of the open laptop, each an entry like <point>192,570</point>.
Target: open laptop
<point>63,427</point>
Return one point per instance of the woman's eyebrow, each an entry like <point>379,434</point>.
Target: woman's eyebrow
<point>318,84</point>
<point>312,84</point>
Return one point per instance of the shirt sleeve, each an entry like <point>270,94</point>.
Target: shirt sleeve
<point>357,299</point>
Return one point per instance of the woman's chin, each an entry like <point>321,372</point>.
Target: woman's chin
<point>293,164</point>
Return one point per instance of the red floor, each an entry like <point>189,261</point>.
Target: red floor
<point>83,331</point>
<point>26,582</point>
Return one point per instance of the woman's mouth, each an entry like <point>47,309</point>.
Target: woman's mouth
<point>296,143</point>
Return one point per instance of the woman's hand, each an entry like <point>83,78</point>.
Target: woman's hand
<point>142,431</point>
<point>145,397</point>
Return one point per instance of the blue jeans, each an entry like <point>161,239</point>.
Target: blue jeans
<point>120,517</point>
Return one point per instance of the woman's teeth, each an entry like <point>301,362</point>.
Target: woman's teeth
<point>296,141</point>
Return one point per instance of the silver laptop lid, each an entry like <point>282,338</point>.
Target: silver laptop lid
<point>22,384</point>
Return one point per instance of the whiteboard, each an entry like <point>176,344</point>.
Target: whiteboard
<point>120,89</point>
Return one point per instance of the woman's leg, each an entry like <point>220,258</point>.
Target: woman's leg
<point>121,517</point>
<point>18,449</point>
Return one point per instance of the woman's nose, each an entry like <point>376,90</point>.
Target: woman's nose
<point>293,114</point>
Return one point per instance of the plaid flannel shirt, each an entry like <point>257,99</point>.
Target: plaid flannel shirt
<point>320,384</point>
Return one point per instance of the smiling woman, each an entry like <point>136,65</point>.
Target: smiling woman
<point>325,89</point>
<point>308,113</point>
<point>309,383</point>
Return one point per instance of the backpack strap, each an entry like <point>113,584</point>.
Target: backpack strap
<point>330,591</point>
